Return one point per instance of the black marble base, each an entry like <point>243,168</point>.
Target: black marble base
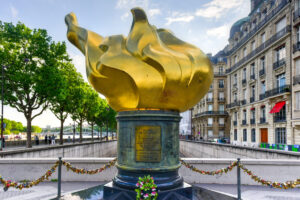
<point>111,192</point>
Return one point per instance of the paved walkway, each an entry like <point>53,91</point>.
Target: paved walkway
<point>48,190</point>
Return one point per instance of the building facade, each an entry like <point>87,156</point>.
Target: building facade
<point>185,123</point>
<point>209,118</point>
<point>263,74</point>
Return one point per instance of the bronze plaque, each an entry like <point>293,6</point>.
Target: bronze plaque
<point>147,143</point>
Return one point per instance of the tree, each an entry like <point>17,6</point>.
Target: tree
<point>95,109</point>
<point>36,129</point>
<point>29,56</point>
<point>109,118</point>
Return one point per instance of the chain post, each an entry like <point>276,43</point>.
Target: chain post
<point>238,179</point>
<point>59,179</point>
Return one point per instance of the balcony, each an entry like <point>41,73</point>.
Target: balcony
<point>252,99</point>
<point>244,81</point>
<point>277,90</point>
<point>262,120</point>
<point>206,113</point>
<point>252,121</point>
<point>259,49</point>
<point>219,74</point>
<point>262,96</point>
<point>234,85</point>
<point>231,105</point>
<point>296,14</point>
<point>209,125</point>
<point>258,26</point>
<point>262,72</point>
<point>243,102</point>
<point>221,85</point>
<point>279,118</point>
<point>252,76</point>
<point>296,79</point>
<point>222,125</point>
<point>209,99</point>
<point>234,123</point>
<point>244,122</point>
<point>278,64</point>
<point>221,99</point>
<point>296,47</point>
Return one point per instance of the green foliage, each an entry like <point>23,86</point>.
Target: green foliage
<point>12,127</point>
<point>146,188</point>
<point>36,129</point>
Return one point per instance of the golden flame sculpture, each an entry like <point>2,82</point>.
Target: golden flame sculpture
<point>150,69</point>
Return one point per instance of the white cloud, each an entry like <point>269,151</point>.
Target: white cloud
<point>221,32</point>
<point>125,4</point>
<point>153,12</point>
<point>79,62</point>
<point>217,8</point>
<point>124,16</point>
<point>14,11</point>
<point>179,17</point>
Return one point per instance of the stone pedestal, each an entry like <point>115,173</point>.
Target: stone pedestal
<point>148,144</point>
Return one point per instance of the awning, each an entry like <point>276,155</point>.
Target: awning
<point>278,106</point>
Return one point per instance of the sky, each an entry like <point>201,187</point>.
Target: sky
<point>204,23</point>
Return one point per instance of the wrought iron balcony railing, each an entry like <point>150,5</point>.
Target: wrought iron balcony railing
<point>296,79</point>
<point>244,122</point>
<point>278,64</point>
<point>262,120</point>
<point>252,76</point>
<point>231,105</point>
<point>262,72</point>
<point>252,99</point>
<point>252,121</point>
<point>296,14</point>
<point>280,118</point>
<point>243,102</point>
<point>209,99</point>
<point>244,81</point>
<point>221,99</point>
<point>234,123</point>
<point>262,96</point>
<point>278,90</point>
<point>296,47</point>
<point>211,113</point>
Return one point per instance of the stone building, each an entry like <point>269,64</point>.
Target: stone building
<point>209,118</point>
<point>263,74</point>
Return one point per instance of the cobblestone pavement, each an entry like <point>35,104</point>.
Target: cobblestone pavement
<point>43,191</point>
<point>250,192</point>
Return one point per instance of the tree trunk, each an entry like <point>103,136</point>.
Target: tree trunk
<point>80,131</point>
<point>98,132</point>
<point>101,133</point>
<point>106,131</point>
<point>28,142</point>
<point>61,140</point>
<point>92,131</point>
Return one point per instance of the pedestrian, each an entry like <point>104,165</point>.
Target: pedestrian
<point>36,140</point>
<point>49,139</point>
<point>53,139</point>
<point>69,139</point>
<point>46,139</point>
<point>3,142</point>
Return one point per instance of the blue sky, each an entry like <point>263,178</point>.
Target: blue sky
<point>204,23</point>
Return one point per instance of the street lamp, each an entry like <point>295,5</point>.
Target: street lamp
<point>2,103</point>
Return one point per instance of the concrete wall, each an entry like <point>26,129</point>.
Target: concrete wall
<point>273,170</point>
<point>85,149</point>
<point>212,150</point>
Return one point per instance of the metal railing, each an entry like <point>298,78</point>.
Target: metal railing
<point>252,76</point>
<point>278,64</point>
<point>244,81</point>
<point>209,99</point>
<point>262,120</point>
<point>243,102</point>
<point>231,105</point>
<point>262,72</point>
<point>262,96</point>
<point>252,99</point>
<point>296,79</point>
<point>296,47</point>
<point>219,74</point>
<point>252,121</point>
<point>234,123</point>
<point>279,118</point>
<point>221,99</point>
<point>212,113</point>
<point>221,85</point>
<point>296,14</point>
<point>244,122</point>
<point>263,46</point>
<point>266,19</point>
<point>277,90</point>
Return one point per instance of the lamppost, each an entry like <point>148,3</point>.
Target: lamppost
<point>74,132</point>
<point>2,107</point>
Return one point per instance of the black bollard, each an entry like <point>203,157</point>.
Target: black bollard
<point>238,179</point>
<point>59,179</point>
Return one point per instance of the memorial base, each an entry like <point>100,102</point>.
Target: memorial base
<point>111,192</point>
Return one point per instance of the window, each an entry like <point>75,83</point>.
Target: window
<point>211,86</point>
<point>235,116</point>
<point>210,121</point>
<point>280,25</point>
<point>280,81</point>
<point>262,87</point>
<point>221,70</point>
<point>297,67</point>
<point>281,115</point>
<point>253,45</point>
<point>210,133</point>
<point>263,38</point>
<point>221,107</point>
<point>245,135</point>
<point>244,73</point>
<point>245,115</point>
<point>244,94</point>
<point>280,53</point>
<point>210,95</point>
<point>262,63</point>
<point>210,107</point>
<point>245,52</point>
<point>297,100</point>
<point>253,113</point>
<point>235,79</point>
<point>221,133</point>
<point>298,34</point>
<point>235,134</point>
<point>253,91</point>
<point>263,112</point>
<point>221,121</point>
<point>253,135</point>
<point>235,97</point>
<point>235,59</point>
<point>221,95</point>
<point>280,136</point>
<point>252,68</point>
<point>221,83</point>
